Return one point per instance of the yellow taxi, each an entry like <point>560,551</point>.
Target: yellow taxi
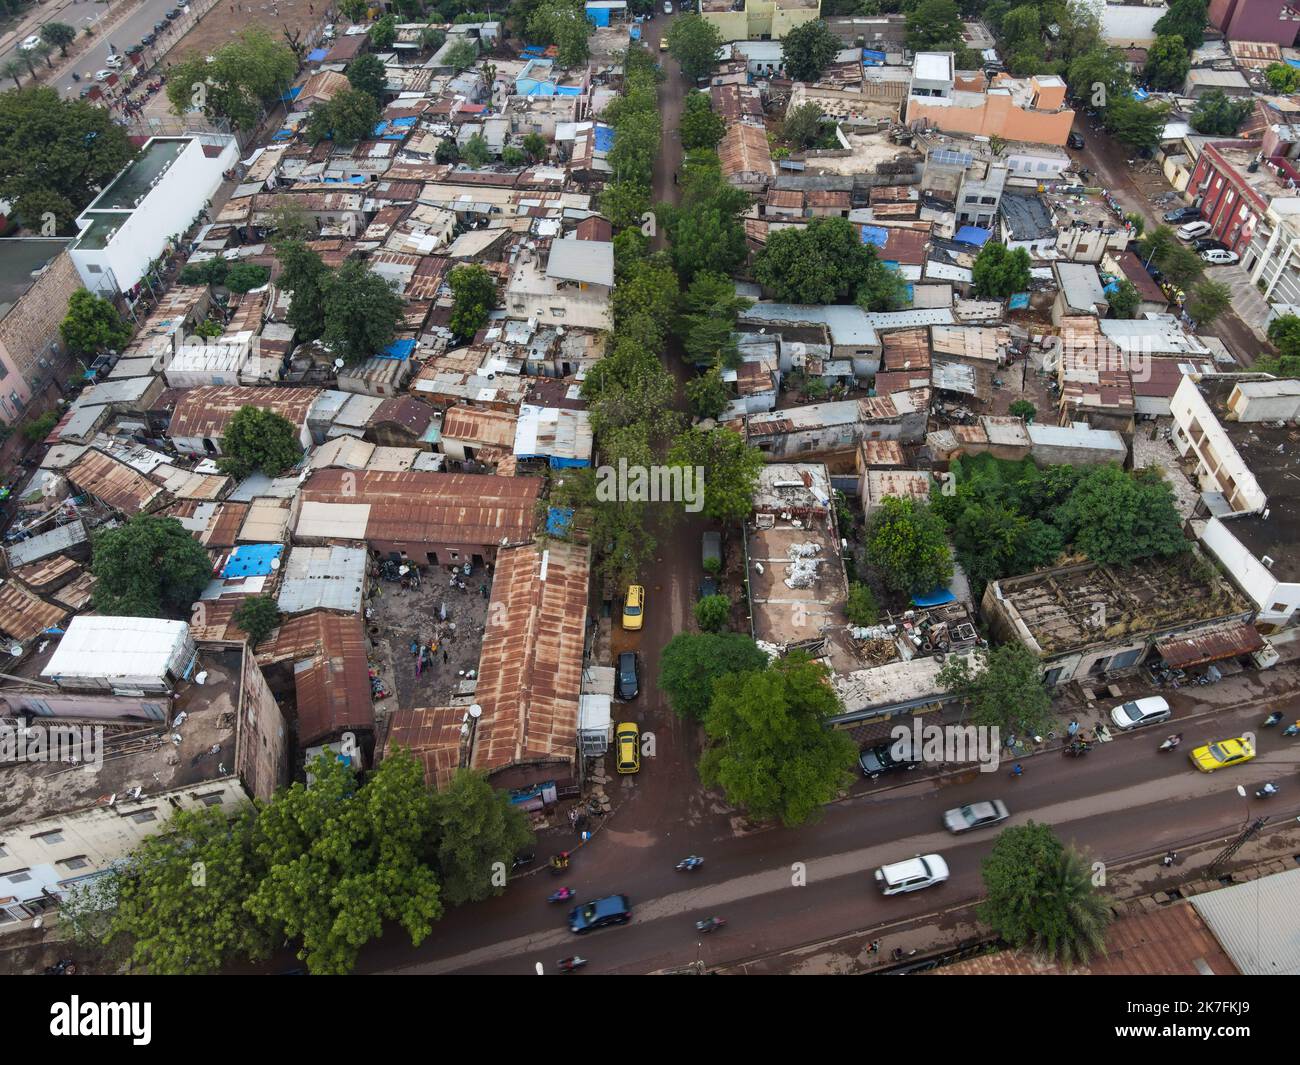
<point>663,44</point>
<point>627,744</point>
<point>634,608</point>
<point>1223,753</point>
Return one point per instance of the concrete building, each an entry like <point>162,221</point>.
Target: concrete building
<point>758,20</point>
<point>37,278</point>
<point>1236,182</point>
<point>1132,25</point>
<point>1277,21</point>
<point>572,289</point>
<point>1032,110</point>
<point>156,196</point>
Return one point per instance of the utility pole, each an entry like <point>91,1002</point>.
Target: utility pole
<point>1243,837</point>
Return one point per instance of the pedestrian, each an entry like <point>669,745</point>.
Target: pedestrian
<point>483,590</point>
<point>1169,859</point>
<point>444,656</point>
<point>875,947</point>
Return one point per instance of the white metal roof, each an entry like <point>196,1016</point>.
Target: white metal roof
<point>1256,923</point>
<point>118,647</point>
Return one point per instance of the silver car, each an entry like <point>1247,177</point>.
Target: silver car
<point>975,815</point>
<point>1138,712</point>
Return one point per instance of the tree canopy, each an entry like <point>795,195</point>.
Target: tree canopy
<point>366,74</point>
<point>304,274</point>
<point>907,544</point>
<point>999,271</point>
<point>1215,113</point>
<point>362,312</point>
<point>473,294</point>
<point>92,325</point>
<point>242,80</point>
<point>694,42</point>
<point>349,116</point>
<point>807,50</point>
<point>258,439</point>
<point>824,262</point>
<point>1186,19</point>
<point>730,466</point>
<point>1003,688</point>
<point>700,127</point>
<point>691,662</point>
<point>1167,63</point>
<point>564,24</point>
<point>148,567</point>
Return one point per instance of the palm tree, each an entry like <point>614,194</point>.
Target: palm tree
<point>12,68</point>
<point>1081,913</point>
<point>43,51</point>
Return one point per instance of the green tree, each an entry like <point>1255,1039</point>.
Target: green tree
<point>535,146</point>
<point>861,607</point>
<point>691,662</point>
<point>1153,246</point>
<point>305,275</point>
<point>383,33</point>
<point>513,157</point>
<point>808,49</point>
<point>56,155</point>
<point>1207,301</point>
<point>92,325</point>
<point>242,80</point>
<point>1167,63</point>
<point>366,74</point>
<point>907,543</point>
<point>802,125</point>
<point>934,25</point>
<point>148,567</point>
<point>258,616</point>
<point>564,24</point>
<point>700,127</point>
<point>999,271</point>
<point>1002,687</point>
<point>473,293</point>
<point>768,745</point>
<point>624,203</point>
<point>1282,78</point>
<point>694,42</point>
<point>341,860</point>
<point>1284,334</point>
<point>350,116</point>
<point>205,272</point>
<point>705,228</point>
<point>730,468</point>
<point>1137,124</point>
<point>1118,517</point>
<point>824,262</point>
<point>1216,114</point>
<point>1180,265</point>
<point>258,439</point>
<point>362,312</point>
<point>1040,895</point>
<point>1022,408</point>
<point>712,613</point>
<point>476,151</point>
<point>1186,19</point>
<point>244,277</point>
<point>290,222</point>
<point>461,56</point>
<point>710,307</point>
<point>885,289</point>
<point>1124,299</point>
<point>707,394</point>
<point>478,832</point>
<point>59,35</point>
<point>1098,76</point>
<point>39,428</point>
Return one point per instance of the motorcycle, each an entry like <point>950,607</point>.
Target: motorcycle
<point>76,76</point>
<point>567,965</point>
<point>521,860</point>
<point>1171,742</point>
<point>1268,789</point>
<point>563,895</point>
<point>687,864</point>
<point>1077,749</point>
<point>1292,729</point>
<point>559,863</point>
<point>1273,719</point>
<point>709,924</point>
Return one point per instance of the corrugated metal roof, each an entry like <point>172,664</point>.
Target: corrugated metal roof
<point>122,648</point>
<point>479,426</point>
<point>530,669</point>
<point>23,617</point>
<point>1213,645</point>
<point>1256,923</point>
<point>119,486</point>
<point>432,734</point>
<point>206,411</point>
<point>329,578</point>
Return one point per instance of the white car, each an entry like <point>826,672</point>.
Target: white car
<point>1219,256</point>
<point>114,62</point>
<point>31,42</point>
<point>923,871</point>
<point>1193,230</point>
<point>668,7</point>
<point>975,815</point>
<point>1139,712</point>
<point>103,75</point>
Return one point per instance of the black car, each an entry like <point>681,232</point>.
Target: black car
<point>1209,244</point>
<point>708,586</point>
<point>1181,215</point>
<point>174,13</point>
<point>628,685</point>
<point>135,49</point>
<point>521,860</point>
<point>148,39</point>
<point>877,760</point>
<point>158,27</point>
<point>1075,141</point>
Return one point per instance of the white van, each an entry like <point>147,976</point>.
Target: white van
<point>1139,712</point>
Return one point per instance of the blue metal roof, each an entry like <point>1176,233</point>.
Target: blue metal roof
<point>935,598</point>
<point>252,560</point>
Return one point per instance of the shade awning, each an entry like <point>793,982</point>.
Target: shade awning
<point>1226,641</point>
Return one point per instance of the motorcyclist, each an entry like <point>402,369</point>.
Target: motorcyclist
<point>1268,789</point>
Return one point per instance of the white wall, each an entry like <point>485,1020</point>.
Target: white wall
<point>1251,575</point>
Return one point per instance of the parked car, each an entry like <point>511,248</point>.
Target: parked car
<point>1075,141</point>
<point>174,13</point>
<point>923,871</point>
<point>708,586</point>
<point>627,746</point>
<point>1222,754</point>
<point>30,42</point>
<point>612,909</point>
<point>148,39</point>
<point>103,75</point>
<point>668,7</point>
<point>1179,215</point>
<point>1192,230</point>
<point>663,44</point>
<point>711,548</point>
<point>135,49</point>
<point>1220,257</point>
<point>114,62</point>
<point>158,27</point>
<point>975,815</point>
<point>628,685</point>
<point>884,759</point>
<point>1208,243</point>
<point>1139,712</point>
<point>634,608</point>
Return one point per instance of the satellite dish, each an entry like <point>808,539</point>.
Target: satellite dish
<point>16,650</point>
<point>275,563</point>
<point>338,364</point>
<point>475,711</point>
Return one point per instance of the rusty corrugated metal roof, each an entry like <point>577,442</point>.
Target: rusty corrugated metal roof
<point>115,483</point>
<point>23,616</point>
<point>206,411</point>
<point>530,668</point>
<point>1213,645</point>
<point>432,734</point>
<point>490,427</point>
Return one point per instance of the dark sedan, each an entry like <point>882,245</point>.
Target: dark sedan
<point>628,682</point>
<point>884,759</point>
<point>1180,215</point>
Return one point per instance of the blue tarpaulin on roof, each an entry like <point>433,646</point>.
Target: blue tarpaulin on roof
<point>568,90</point>
<point>398,349</point>
<point>1019,301</point>
<point>604,138</point>
<point>972,235</point>
<point>558,519</point>
<point>357,179</point>
<point>634,32</point>
<point>1140,94</point>
<point>533,51</point>
<point>599,16</point>
<point>252,560</point>
<point>877,235</point>
<point>872,58</point>
<point>379,129</point>
<point>282,135</point>
<point>317,55</point>
<point>1292,62</point>
<point>935,598</point>
<point>292,94</point>
<point>404,123</point>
